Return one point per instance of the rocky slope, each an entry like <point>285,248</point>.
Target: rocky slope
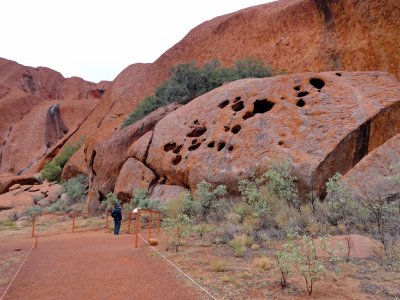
<point>25,108</point>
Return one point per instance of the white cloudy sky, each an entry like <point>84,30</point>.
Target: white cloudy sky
<point>97,39</point>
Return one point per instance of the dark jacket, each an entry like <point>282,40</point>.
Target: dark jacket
<point>116,214</point>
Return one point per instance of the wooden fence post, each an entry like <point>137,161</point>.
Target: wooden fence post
<point>137,227</point>
<point>73,223</point>
<point>33,225</point>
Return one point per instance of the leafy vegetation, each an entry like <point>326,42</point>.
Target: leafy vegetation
<point>52,170</point>
<point>76,187</point>
<point>188,82</point>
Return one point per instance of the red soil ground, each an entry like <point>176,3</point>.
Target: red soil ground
<point>94,265</point>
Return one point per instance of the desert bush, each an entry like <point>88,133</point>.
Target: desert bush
<point>109,202</point>
<point>285,258</point>
<point>8,224</point>
<point>219,266</point>
<point>187,82</point>
<point>58,206</point>
<point>140,198</point>
<point>32,211</point>
<point>212,201</point>
<point>179,229</point>
<point>264,263</point>
<point>281,183</point>
<point>76,187</point>
<point>52,170</point>
<point>202,229</point>
<point>240,243</point>
<point>310,266</point>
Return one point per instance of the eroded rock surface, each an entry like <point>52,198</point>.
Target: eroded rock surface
<point>322,123</point>
<point>167,192</point>
<point>374,175</point>
<point>133,175</point>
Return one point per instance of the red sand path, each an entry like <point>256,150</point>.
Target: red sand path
<point>96,265</point>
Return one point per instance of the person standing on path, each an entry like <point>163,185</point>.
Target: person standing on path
<point>117,216</point>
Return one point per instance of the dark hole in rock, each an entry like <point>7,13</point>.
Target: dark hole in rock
<point>203,140</point>
<point>223,103</point>
<point>248,115</point>
<point>17,249</point>
<point>302,94</point>
<point>177,160</point>
<point>221,146</point>
<point>236,129</point>
<point>319,91</point>
<point>230,148</point>
<point>211,145</point>
<point>300,103</point>
<point>196,122</point>
<point>226,128</point>
<point>262,106</point>
<point>194,141</point>
<point>196,132</point>
<point>282,98</point>
<point>238,106</point>
<point>177,149</point>
<point>280,143</point>
<point>338,74</point>
<point>297,88</point>
<point>194,147</point>
<point>317,83</point>
<point>169,147</point>
<point>237,99</point>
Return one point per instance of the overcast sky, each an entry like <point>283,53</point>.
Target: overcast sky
<point>97,39</point>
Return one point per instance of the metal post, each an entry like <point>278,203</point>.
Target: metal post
<point>137,227</point>
<point>33,225</point>
<point>36,242</point>
<point>150,219</point>
<point>129,222</point>
<point>73,223</point>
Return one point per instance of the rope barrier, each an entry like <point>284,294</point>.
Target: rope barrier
<point>12,280</point>
<point>177,268</point>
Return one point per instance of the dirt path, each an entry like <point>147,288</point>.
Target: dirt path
<point>95,265</point>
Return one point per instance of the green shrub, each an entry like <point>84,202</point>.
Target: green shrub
<point>32,211</point>
<point>58,206</point>
<point>239,244</point>
<point>179,229</point>
<point>212,201</point>
<point>52,170</point>
<point>219,266</point>
<point>76,187</point>
<point>187,82</point>
<point>140,198</point>
<point>109,202</point>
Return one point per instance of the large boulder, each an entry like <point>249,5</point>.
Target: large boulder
<point>322,123</point>
<point>374,176</point>
<point>105,157</point>
<point>133,175</point>
<point>140,148</point>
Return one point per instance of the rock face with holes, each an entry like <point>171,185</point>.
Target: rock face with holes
<point>322,123</point>
<point>375,175</point>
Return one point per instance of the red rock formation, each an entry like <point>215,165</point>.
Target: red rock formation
<point>8,180</point>
<point>22,88</point>
<point>166,192</point>
<point>75,166</point>
<point>106,157</point>
<point>374,175</point>
<point>46,124</point>
<point>133,175</point>
<point>292,35</point>
<point>322,123</point>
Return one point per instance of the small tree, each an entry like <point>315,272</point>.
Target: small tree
<point>211,200</point>
<point>76,187</point>
<point>109,202</point>
<point>285,258</point>
<point>180,228</point>
<point>281,183</point>
<point>310,266</point>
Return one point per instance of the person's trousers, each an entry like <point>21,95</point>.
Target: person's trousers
<point>117,226</point>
